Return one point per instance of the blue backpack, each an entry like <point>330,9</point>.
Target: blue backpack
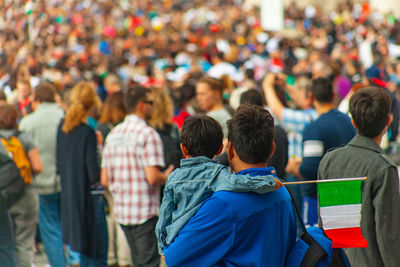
<point>314,248</point>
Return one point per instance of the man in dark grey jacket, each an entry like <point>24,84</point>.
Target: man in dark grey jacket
<point>380,215</point>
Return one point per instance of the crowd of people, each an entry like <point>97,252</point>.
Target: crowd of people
<point>107,97</point>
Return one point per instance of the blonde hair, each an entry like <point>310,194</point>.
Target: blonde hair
<point>162,108</point>
<point>83,97</point>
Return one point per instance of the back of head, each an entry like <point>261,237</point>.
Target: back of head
<point>322,90</point>
<point>83,97</point>
<point>252,97</point>
<point>251,132</point>
<point>202,136</point>
<point>163,108</point>
<point>370,109</point>
<point>8,116</point>
<point>113,109</point>
<point>133,96</point>
<point>45,92</point>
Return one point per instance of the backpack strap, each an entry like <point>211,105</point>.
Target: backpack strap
<point>315,251</point>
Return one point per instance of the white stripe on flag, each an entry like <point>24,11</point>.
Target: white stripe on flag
<point>342,216</point>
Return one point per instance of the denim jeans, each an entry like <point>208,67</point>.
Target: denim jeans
<point>7,249</point>
<point>50,228</point>
<point>102,235</point>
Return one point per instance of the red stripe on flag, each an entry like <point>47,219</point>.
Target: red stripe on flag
<point>347,238</point>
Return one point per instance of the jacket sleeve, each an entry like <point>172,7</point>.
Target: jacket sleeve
<point>386,202</point>
<point>213,226</point>
<point>91,158</point>
<point>165,219</point>
<point>227,181</point>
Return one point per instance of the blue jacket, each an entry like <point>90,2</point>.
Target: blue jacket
<point>188,186</point>
<point>237,229</point>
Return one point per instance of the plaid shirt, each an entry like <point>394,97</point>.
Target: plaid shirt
<point>294,122</point>
<point>130,147</point>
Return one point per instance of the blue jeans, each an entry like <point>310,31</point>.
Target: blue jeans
<point>102,235</point>
<point>7,248</point>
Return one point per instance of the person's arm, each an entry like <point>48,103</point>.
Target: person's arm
<point>205,239</point>
<point>155,176</point>
<point>35,161</point>
<point>271,97</point>
<point>104,177</point>
<point>164,219</point>
<point>236,182</point>
<point>313,151</point>
<point>386,203</point>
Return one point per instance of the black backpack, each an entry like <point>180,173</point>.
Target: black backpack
<point>11,182</point>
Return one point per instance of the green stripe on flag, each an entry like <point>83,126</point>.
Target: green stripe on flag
<point>339,193</point>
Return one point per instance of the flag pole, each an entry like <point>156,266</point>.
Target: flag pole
<point>327,180</point>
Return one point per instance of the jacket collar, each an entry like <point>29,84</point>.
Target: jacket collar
<point>365,142</point>
<point>196,160</point>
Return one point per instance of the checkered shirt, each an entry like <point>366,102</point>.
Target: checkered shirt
<point>294,122</point>
<point>130,147</point>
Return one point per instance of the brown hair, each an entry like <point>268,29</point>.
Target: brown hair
<point>215,84</point>
<point>114,110</point>
<point>8,116</point>
<point>83,97</point>
<point>162,108</point>
<point>45,92</point>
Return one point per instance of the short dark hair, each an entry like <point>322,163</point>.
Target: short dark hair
<point>202,136</point>
<point>133,96</point>
<point>251,133</point>
<point>252,97</point>
<point>45,92</point>
<point>322,90</point>
<point>370,108</point>
<point>8,116</point>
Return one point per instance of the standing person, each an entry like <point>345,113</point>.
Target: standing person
<point>230,227</point>
<point>380,217</point>
<point>7,246</point>
<point>26,156</point>
<point>42,126</point>
<point>114,112</point>
<point>331,129</point>
<point>131,162</point>
<point>209,95</point>
<point>83,220</point>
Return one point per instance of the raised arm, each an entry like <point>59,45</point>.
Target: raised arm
<point>271,97</point>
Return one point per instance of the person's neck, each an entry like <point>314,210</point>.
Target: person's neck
<point>218,106</point>
<point>323,108</point>
<point>240,166</point>
<point>139,114</point>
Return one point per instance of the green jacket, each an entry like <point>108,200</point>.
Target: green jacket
<point>380,214</point>
<point>42,126</point>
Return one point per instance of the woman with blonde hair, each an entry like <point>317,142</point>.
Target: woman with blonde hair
<point>84,226</point>
<point>161,121</point>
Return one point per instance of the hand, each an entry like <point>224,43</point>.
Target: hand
<point>269,80</point>
<point>100,138</point>
<point>278,184</point>
<point>168,171</point>
<point>293,166</point>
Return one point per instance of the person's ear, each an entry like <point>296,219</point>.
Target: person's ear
<point>273,149</point>
<point>231,152</point>
<point>390,119</point>
<point>185,151</point>
<point>219,150</point>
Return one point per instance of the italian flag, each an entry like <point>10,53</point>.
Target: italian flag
<point>28,7</point>
<point>340,211</point>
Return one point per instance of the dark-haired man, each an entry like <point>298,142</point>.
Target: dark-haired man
<point>380,217</point>
<point>331,129</point>
<point>132,157</point>
<point>240,229</point>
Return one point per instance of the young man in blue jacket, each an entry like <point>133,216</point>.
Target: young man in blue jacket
<point>240,229</point>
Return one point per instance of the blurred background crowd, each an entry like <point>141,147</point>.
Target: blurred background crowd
<point>198,57</point>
